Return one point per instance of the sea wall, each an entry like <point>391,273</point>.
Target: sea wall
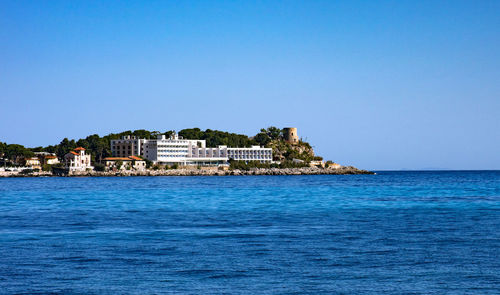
<point>20,174</point>
<point>203,172</point>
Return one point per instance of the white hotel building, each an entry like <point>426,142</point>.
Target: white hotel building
<point>176,150</point>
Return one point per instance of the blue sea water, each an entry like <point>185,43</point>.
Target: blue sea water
<point>390,233</point>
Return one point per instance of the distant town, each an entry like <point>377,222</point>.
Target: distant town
<point>141,150</point>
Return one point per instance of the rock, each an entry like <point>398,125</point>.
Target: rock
<point>192,172</point>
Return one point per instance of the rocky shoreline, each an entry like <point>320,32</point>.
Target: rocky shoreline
<point>343,170</point>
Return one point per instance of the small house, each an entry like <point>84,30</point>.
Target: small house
<point>33,163</point>
<point>50,160</point>
<point>130,162</point>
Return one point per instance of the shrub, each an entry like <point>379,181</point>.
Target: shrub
<point>291,164</point>
<point>99,167</point>
<point>242,165</point>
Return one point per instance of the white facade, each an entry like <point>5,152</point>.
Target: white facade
<point>176,150</point>
<point>254,153</point>
<point>170,150</point>
<point>51,160</point>
<point>131,162</point>
<point>78,160</point>
<point>33,162</point>
<point>47,158</point>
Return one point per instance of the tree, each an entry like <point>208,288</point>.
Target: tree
<point>98,147</point>
<point>37,149</point>
<point>262,138</point>
<point>154,134</point>
<point>169,133</point>
<point>3,147</point>
<point>65,146</point>
<point>273,132</point>
<point>192,133</point>
<point>148,163</point>
<point>215,137</point>
<point>141,133</point>
<point>16,152</point>
<point>99,167</point>
<point>50,149</point>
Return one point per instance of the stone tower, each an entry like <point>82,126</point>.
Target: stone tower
<point>290,135</point>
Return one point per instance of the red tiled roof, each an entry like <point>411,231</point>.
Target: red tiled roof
<point>79,149</point>
<point>116,159</point>
<point>135,158</point>
<point>50,157</point>
<point>74,153</point>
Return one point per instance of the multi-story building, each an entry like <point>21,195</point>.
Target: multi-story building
<point>177,150</point>
<point>173,150</point>
<point>78,160</point>
<point>223,153</point>
<point>254,153</point>
<point>127,146</point>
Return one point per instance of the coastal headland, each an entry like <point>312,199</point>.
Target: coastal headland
<point>272,151</point>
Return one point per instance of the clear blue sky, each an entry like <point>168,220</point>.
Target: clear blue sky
<point>379,85</point>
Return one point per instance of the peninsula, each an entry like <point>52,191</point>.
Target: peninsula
<point>272,151</point>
